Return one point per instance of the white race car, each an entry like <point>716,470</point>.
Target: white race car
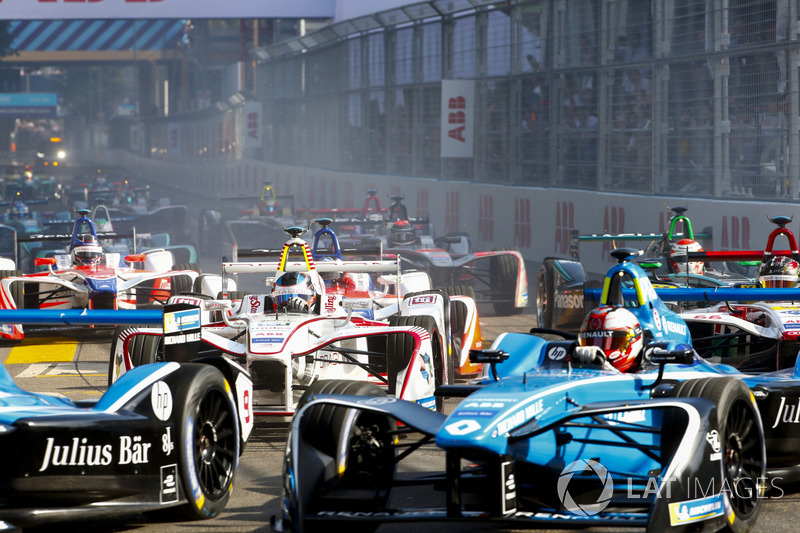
<point>321,320</point>
<point>88,277</point>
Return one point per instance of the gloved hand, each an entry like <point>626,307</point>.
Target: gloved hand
<point>297,304</point>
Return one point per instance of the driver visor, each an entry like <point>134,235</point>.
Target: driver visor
<point>606,340</point>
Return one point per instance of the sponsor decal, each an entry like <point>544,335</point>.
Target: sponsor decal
<point>712,437</point>
<point>161,400</point>
<point>169,483</point>
<point>419,300</point>
<point>695,510</point>
<point>657,319</point>
<point>627,417</point>
<point>357,303</point>
<point>569,301</point>
<point>462,427</point>
<point>556,353</point>
<point>428,403</point>
<point>267,340</point>
<point>255,303</point>
<point>519,417</point>
<point>181,320</point>
<point>79,451</point>
<point>788,414</point>
<point>166,442</point>
<point>673,327</point>
<point>182,338</point>
<point>377,400</point>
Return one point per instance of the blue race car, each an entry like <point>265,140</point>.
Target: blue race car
<point>165,435</point>
<point>552,434</point>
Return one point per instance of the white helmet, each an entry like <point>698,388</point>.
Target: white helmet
<point>680,249</point>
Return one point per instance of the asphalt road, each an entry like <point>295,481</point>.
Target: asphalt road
<point>78,370</point>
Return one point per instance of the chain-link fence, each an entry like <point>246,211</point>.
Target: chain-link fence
<point>664,97</point>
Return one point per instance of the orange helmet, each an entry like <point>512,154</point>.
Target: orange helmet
<point>617,332</point>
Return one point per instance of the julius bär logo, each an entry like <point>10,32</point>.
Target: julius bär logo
<point>595,469</point>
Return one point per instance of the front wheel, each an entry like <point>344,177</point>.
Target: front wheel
<point>503,271</point>
<point>545,293</point>
<point>205,416</point>
<point>742,441</point>
<point>361,445</point>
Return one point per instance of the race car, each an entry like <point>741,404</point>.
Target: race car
<point>321,319</point>
<point>553,435</point>
<point>165,436</point>
<point>497,277</point>
<point>258,227</point>
<point>87,277</point>
<point>560,299</point>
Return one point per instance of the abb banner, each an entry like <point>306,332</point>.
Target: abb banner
<point>251,121</point>
<point>458,117</point>
<point>164,9</point>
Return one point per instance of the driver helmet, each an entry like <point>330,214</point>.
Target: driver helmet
<point>87,251</point>
<point>779,272</point>
<point>679,249</point>
<point>617,332</point>
<point>402,233</point>
<point>293,289</point>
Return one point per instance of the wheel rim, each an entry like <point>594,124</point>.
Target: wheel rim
<point>743,460</point>
<point>215,444</point>
<point>541,300</point>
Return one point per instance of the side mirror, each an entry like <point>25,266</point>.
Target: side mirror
<point>488,356</point>
<point>42,261</point>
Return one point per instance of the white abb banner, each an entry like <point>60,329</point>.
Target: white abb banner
<point>164,9</point>
<point>458,117</point>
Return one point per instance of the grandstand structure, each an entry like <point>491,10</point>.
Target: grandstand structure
<point>669,97</point>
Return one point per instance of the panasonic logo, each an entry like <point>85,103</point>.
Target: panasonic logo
<point>569,301</point>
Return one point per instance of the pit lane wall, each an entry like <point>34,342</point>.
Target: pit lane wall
<point>536,221</point>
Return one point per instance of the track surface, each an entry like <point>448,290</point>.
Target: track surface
<point>78,370</point>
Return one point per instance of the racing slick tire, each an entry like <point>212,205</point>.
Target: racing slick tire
<point>503,282</point>
<point>458,321</point>
<point>545,293</point>
<point>742,438</point>
<point>399,349</point>
<point>205,416</point>
<point>17,289</point>
<point>181,284</point>
<point>143,349</point>
<point>366,479</point>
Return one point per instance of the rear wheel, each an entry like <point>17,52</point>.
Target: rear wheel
<point>742,442</point>
<point>400,349</point>
<point>17,289</point>
<point>181,284</point>
<point>364,439</point>
<point>208,440</point>
<point>503,282</point>
<point>143,349</point>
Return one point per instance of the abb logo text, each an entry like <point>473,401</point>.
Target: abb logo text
<point>451,212</point>
<point>457,117</point>
<point>613,222</point>
<point>737,234</point>
<point>485,218</point>
<point>565,222</point>
<point>522,222</point>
